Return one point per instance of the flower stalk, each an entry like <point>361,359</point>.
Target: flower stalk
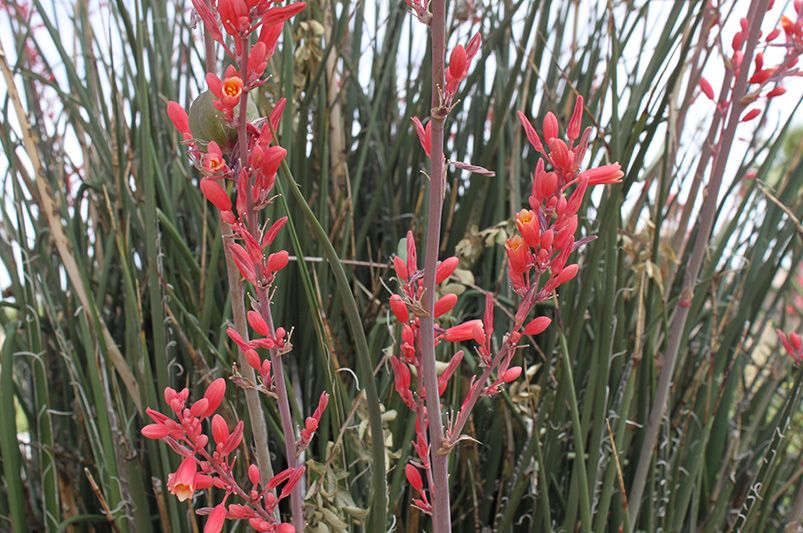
<point>441,516</point>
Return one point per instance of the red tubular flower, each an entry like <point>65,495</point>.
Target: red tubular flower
<point>234,16</point>
<point>277,261</point>
<point>182,482</point>
<point>471,330</point>
<point>550,127</point>
<point>412,256</point>
<point>517,254</point>
<point>604,175</point>
<point>511,374</point>
<point>155,431</point>
<point>567,274</point>
<point>216,194</point>
<point>178,116</point>
<point>573,130</point>
<point>399,309</point>
<point>214,395</point>
<point>532,136</point>
<point>220,430</point>
<point>446,375</point>
<point>243,262</point>
<point>258,323</point>
<point>750,115</point>
<point>457,62</point>
<point>280,15</point>
<point>214,524</point>
<point>527,223</point>
<point>445,269</point>
<point>537,325</point>
<point>401,268</point>
<point>414,478</point>
<point>706,88</point>
<point>445,304</point>
<point>273,232</point>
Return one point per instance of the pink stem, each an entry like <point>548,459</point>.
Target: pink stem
<point>236,295</point>
<point>441,517</point>
<point>296,497</point>
<point>285,415</point>
<point>473,397</point>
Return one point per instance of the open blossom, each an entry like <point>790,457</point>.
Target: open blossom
<point>182,482</point>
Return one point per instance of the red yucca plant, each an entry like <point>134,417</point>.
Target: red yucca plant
<point>613,367</point>
<point>228,147</point>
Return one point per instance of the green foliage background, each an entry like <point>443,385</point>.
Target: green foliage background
<point>147,255</point>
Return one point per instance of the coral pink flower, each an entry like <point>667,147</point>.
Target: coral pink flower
<point>214,524</point>
<point>182,482</point>
<point>178,116</point>
<point>471,330</point>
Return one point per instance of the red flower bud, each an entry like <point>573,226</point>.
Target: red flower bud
<point>253,474</point>
<point>457,62</point>
<point>550,127</point>
<point>214,394</point>
<point>258,323</point>
<point>220,430</point>
<point>278,260</point>
<point>511,374</point>
<point>399,309</point>
<point>200,407</point>
<point>750,115</point>
<point>471,330</point>
<point>414,478</point>
<point>252,358</point>
<point>537,325</point>
<point>445,304</point>
<point>567,274</point>
<point>401,268</point>
<point>178,116</point>
<point>445,269</point>
<point>155,431</point>
<point>214,524</point>
<point>216,194</point>
<point>706,88</point>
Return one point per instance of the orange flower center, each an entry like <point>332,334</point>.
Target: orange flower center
<point>514,243</point>
<point>183,491</point>
<point>232,86</point>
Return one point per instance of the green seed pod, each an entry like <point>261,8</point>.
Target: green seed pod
<point>208,124</point>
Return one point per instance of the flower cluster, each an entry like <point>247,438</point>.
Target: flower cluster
<point>407,308</point>
<point>764,80</point>
<point>537,266</point>
<point>547,229</point>
<point>229,146</point>
<point>792,344</point>
<point>208,463</point>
